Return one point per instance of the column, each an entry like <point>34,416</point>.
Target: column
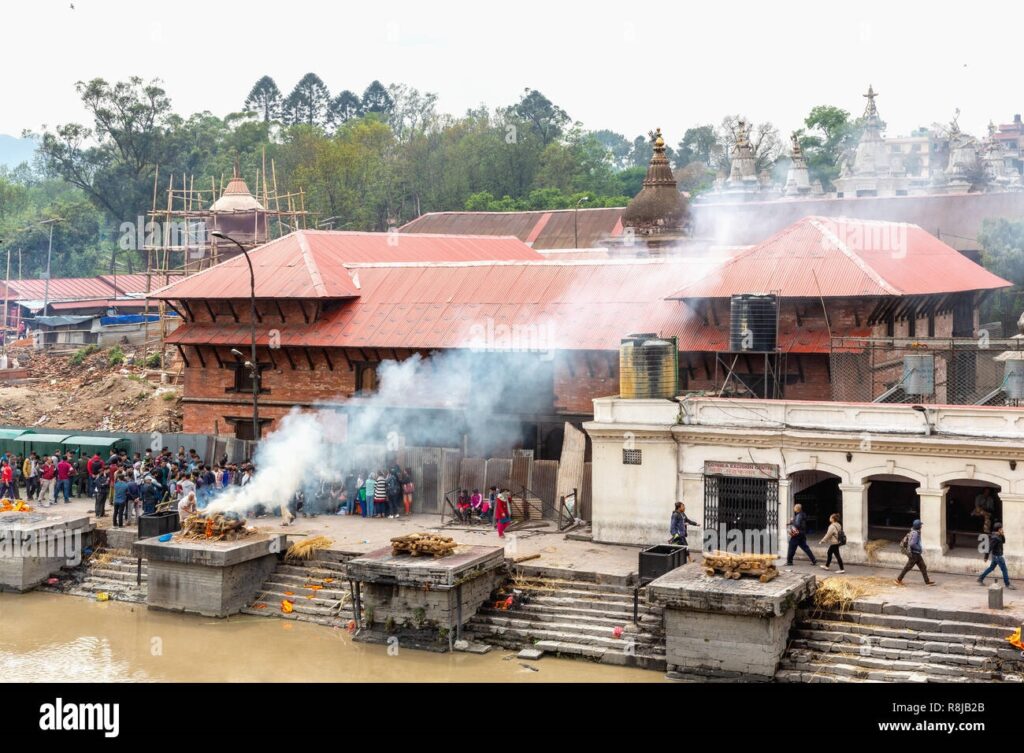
<point>855,513</point>
<point>933,518</point>
<point>1013,526</point>
<point>785,515</point>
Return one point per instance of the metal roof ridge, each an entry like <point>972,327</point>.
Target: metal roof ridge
<point>516,262</point>
<point>311,266</point>
<point>815,222</point>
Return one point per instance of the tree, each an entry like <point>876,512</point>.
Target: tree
<point>697,145</point>
<point>411,111</point>
<point>830,133</point>
<point>309,103</point>
<point>545,118</point>
<point>376,99</point>
<point>617,145</point>
<point>113,162</point>
<point>265,98</point>
<point>1002,244</point>
<point>345,107</point>
<point>765,143</point>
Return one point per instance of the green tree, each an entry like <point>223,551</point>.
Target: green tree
<point>376,99</point>
<point>265,99</point>
<point>1002,244</point>
<point>546,119</point>
<point>309,103</point>
<point>345,107</point>
<point>697,145</point>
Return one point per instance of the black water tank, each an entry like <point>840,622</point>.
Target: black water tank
<point>753,322</point>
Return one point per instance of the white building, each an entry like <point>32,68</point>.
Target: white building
<point>743,464</point>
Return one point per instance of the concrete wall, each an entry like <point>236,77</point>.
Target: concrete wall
<point>856,443</point>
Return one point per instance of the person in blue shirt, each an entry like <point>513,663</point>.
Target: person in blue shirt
<point>120,499</point>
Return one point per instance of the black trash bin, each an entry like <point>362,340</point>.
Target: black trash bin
<point>158,523</point>
<point>655,561</point>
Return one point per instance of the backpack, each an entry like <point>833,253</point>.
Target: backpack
<point>391,485</point>
<point>905,545</point>
<point>841,538</point>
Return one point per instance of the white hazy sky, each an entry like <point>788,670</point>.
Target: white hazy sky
<point>626,66</point>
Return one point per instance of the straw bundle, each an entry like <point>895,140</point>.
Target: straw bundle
<point>873,546</point>
<point>305,549</point>
<point>840,593</point>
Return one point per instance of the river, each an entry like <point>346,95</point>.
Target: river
<point>53,638</point>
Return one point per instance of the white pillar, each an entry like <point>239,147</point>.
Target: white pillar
<point>1013,526</point>
<point>933,518</point>
<point>785,515</point>
<point>855,513</point>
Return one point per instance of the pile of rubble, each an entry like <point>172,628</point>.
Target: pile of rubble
<point>88,393</point>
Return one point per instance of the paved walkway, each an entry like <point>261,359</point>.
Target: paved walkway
<point>554,550</point>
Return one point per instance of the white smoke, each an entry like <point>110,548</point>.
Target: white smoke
<point>307,449</point>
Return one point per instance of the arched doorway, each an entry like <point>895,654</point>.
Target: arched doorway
<point>893,505</point>
<point>972,507</point>
<point>817,492</point>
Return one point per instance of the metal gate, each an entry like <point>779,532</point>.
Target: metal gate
<point>748,505</point>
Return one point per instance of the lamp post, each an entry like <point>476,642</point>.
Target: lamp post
<point>49,257</point>
<point>252,364</point>
<point>576,222</point>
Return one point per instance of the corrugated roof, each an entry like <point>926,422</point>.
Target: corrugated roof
<point>843,257</point>
<point>121,303</point>
<point>550,229</point>
<point>81,288</point>
<point>490,305</point>
<point>312,263</point>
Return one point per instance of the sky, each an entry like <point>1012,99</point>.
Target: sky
<point>628,67</point>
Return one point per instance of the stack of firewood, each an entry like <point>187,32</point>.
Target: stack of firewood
<point>737,565</point>
<point>423,543</point>
<point>217,527</point>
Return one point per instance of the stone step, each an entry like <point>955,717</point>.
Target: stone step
<point>275,599</point>
<point>848,672</point>
<point>297,591</point>
<point>313,569</point>
<point>318,619</point>
<point>796,656</point>
<point>916,624</point>
<point>640,658</point>
<point>588,616</point>
<point>583,595</point>
<point>838,648</point>
<point>558,584</point>
<point>509,619</point>
<point>116,575</point>
<point>613,606</point>
<point>809,675</point>
<point>525,637</point>
<point>947,643</point>
<point>983,616</point>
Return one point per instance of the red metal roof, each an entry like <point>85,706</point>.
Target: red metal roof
<point>842,257</point>
<point>60,289</point>
<point>121,303</point>
<point>313,263</point>
<point>548,229</point>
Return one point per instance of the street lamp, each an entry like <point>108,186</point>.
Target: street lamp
<point>576,222</point>
<point>49,257</point>
<point>252,364</point>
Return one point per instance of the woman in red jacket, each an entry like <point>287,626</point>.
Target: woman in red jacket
<point>503,512</point>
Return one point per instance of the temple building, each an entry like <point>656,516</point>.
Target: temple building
<point>798,179</point>
<point>659,212</point>
<point>872,169</point>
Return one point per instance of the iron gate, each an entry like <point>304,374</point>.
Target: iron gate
<point>748,505</point>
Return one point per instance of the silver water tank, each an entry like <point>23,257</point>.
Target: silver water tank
<point>1013,379</point>
<point>919,374</point>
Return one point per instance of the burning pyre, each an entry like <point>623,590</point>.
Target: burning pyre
<point>14,505</point>
<point>218,526</point>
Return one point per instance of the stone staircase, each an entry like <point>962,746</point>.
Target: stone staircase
<point>903,644</point>
<point>113,572</point>
<point>577,619</point>
<point>329,605</point>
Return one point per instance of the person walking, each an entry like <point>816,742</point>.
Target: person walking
<point>834,538</point>
<point>30,470</point>
<point>48,475</point>
<point>913,548</point>
<point>503,513</point>
<point>996,541</point>
<point>677,528</point>
<point>380,495</point>
<point>798,536</point>
<point>6,480</point>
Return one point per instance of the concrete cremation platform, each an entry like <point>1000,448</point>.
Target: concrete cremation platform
<point>424,600</point>
<point>211,578</point>
<point>35,545</point>
<point>718,627</point>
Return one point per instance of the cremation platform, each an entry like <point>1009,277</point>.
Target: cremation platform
<point>423,601</point>
<point>35,545</point>
<point>723,627</point>
<point>211,578</point>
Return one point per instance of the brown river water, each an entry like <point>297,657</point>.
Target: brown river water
<point>54,638</point>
